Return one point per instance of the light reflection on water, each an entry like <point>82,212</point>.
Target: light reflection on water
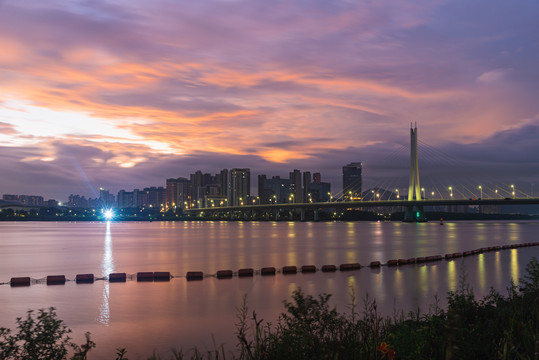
<point>481,272</point>
<point>515,275</point>
<point>452,275</point>
<point>189,312</point>
<point>107,267</point>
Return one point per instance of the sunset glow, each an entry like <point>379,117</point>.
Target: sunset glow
<point>160,89</point>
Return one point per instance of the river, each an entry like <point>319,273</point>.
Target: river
<point>148,316</point>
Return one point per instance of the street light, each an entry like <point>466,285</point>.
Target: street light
<point>423,189</point>
<point>451,192</point>
<point>397,191</point>
<point>481,189</point>
<point>372,195</point>
<point>513,190</point>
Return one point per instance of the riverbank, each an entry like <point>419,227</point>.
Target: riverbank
<point>155,215</point>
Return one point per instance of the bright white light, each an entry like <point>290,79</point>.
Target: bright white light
<point>108,214</point>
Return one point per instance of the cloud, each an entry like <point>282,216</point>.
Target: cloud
<point>6,128</point>
<point>150,86</point>
<point>493,76</point>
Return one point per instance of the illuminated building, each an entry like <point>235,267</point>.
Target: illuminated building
<point>306,185</point>
<point>274,190</point>
<point>178,193</point>
<point>296,192</point>
<point>351,181</point>
<point>239,184</point>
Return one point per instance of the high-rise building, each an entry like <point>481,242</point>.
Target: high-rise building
<point>306,186</point>
<point>239,186</point>
<point>154,197</point>
<point>351,181</point>
<point>296,191</point>
<point>263,193</point>
<point>125,199</point>
<point>172,193</point>
<point>274,190</point>
<point>221,179</point>
<point>106,198</point>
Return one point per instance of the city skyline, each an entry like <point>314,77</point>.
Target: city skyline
<point>115,94</point>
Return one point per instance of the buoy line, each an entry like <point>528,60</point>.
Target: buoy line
<point>163,276</point>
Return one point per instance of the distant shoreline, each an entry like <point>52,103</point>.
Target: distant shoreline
<point>349,216</point>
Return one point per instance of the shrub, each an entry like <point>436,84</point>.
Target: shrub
<point>44,337</point>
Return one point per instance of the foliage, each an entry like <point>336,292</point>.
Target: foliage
<point>44,337</point>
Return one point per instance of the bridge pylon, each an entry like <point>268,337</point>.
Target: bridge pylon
<point>414,214</point>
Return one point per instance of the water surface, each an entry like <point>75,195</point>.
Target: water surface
<point>161,315</point>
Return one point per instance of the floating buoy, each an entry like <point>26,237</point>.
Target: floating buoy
<point>308,268</point>
<point>410,261</point>
<point>347,267</point>
<point>161,276</point>
<point>267,271</point>
<point>420,260</point>
<point>433,258</point>
<point>194,275</point>
<point>328,268</point>
<point>457,255</point>
<point>145,276</point>
<point>392,262</point>
<point>375,264</point>
<point>56,280</point>
<point>224,274</point>
<point>448,256</point>
<point>84,278</point>
<point>117,277</point>
<point>246,272</point>
<point>20,281</point>
<point>289,269</point>
<point>402,261</point>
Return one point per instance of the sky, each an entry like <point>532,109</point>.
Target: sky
<point>125,94</point>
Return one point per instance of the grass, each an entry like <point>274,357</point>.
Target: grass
<point>494,327</point>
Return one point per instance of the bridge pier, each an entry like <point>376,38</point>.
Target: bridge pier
<point>315,215</point>
<point>414,214</point>
<point>302,214</point>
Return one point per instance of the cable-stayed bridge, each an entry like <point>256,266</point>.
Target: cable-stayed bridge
<point>412,204</point>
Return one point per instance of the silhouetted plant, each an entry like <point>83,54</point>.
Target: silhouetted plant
<point>44,337</point>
